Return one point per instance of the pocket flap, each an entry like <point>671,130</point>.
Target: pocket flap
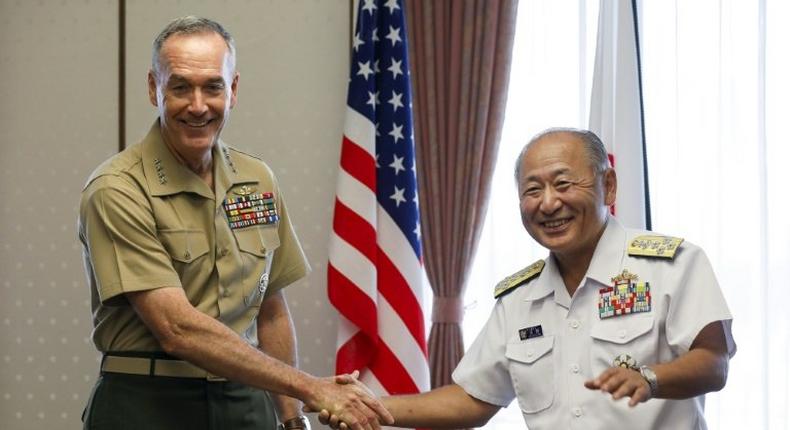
<point>529,351</point>
<point>184,245</point>
<point>621,329</point>
<point>258,240</point>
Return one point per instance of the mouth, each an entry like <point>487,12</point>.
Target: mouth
<point>555,225</point>
<point>196,124</point>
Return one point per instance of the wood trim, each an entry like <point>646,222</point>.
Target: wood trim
<point>121,75</point>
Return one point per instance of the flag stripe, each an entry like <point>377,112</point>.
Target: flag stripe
<point>358,163</point>
<point>355,230</point>
<point>395,290</point>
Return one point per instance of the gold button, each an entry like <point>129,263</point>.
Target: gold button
<point>224,252</point>
<point>263,250</point>
<point>187,255</point>
<point>226,292</point>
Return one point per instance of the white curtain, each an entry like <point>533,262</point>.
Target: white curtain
<point>716,90</point>
<point>716,82</point>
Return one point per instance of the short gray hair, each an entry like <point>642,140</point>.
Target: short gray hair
<point>596,151</point>
<point>190,25</point>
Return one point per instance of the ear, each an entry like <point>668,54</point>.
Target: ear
<point>152,88</point>
<point>609,187</point>
<point>234,88</point>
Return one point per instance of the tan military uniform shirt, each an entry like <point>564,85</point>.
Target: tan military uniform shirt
<point>146,221</point>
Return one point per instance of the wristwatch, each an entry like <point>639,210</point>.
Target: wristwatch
<point>650,377</point>
<point>300,423</point>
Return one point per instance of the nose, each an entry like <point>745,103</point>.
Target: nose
<point>550,202</point>
<point>197,103</point>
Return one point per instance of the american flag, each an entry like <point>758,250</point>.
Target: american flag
<point>375,256</point>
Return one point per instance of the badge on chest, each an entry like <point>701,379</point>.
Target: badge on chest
<point>627,296</point>
<point>250,208</point>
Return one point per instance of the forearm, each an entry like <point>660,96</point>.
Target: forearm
<point>697,372</point>
<point>446,407</point>
<point>277,339</point>
<point>195,337</point>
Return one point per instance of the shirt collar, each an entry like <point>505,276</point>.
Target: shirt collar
<point>606,262</point>
<point>166,175</point>
<point>607,259</point>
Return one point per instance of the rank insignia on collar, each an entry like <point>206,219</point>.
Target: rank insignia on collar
<point>627,296</point>
<point>251,209</point>
<point>244,190</point>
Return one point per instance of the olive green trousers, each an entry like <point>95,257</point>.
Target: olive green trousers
<point>140,402</point>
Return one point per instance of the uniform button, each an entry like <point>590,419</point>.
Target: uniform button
<point>574,324</point>
<point>575,368</point>
<point>621,334</point>
<point>226,292</point>
<point>263,251</point>
<point>530,353</point>
<point>223,252</point>
<point>187,255</point>
<point>577,412</point>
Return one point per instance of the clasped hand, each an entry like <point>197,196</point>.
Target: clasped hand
<point>350,404</point>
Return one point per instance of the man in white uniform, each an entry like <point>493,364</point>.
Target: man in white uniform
<point>612,313</point>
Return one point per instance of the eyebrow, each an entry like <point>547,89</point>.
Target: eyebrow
<point>554,172</point>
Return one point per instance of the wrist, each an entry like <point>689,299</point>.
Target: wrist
<point>650,377</point>
<point>296,423</point>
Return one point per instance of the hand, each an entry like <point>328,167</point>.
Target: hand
<point>622,382</point>
<point>332,420</point>
<point>349,403</point>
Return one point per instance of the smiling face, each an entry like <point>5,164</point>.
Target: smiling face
<point>194,89</point>
<point>564,201</point>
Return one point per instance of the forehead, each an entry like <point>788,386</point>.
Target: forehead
<point>553,153</point>
<point>204,52</point>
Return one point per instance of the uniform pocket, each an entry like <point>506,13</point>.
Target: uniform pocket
<point>257,245</point>
<point>184,246</point>
<point>531,366</point>
<point>621,335</point>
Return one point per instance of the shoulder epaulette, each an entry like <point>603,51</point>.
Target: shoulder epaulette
<point>654,246</point>
<point>519,278</point>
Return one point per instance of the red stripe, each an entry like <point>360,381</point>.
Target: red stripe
<point>352,302</point>
<point>355,230</point>
<point>391,373</point>
<point>356,354</point>
<point>396,290</point>
<point>358,163</point>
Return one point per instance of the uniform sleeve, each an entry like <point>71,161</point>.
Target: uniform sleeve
<point>289,263</point>
<point>483,371</point>
<point>695,302</point>
<point>118,232</point>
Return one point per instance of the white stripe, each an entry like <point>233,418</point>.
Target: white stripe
<point>357,196</point>
<point>345,330</point>
<point>353,265</point>
<point>396,335</point>
<point>361,131</point>
<point>399,250</point>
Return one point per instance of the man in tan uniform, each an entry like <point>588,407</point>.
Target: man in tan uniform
<point>187,246</point>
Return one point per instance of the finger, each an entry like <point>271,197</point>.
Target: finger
<point>343,426</point>
<point>376,406</point>
<point>334,422</point>
<point>625,389</point>
<point>344,379</point>
<point>323,417</point>
<point>613,382</point>
<point>355,374</point>
<point>641,394</point>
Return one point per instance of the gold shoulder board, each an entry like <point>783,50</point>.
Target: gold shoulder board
<point>519,278</point>
<point>654,246</point>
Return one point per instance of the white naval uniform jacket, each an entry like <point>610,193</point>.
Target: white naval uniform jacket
<point>547,372</point>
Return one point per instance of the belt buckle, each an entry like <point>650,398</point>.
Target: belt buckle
<point>214,378</point>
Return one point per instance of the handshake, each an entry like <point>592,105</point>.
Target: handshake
<point>343,402</point>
